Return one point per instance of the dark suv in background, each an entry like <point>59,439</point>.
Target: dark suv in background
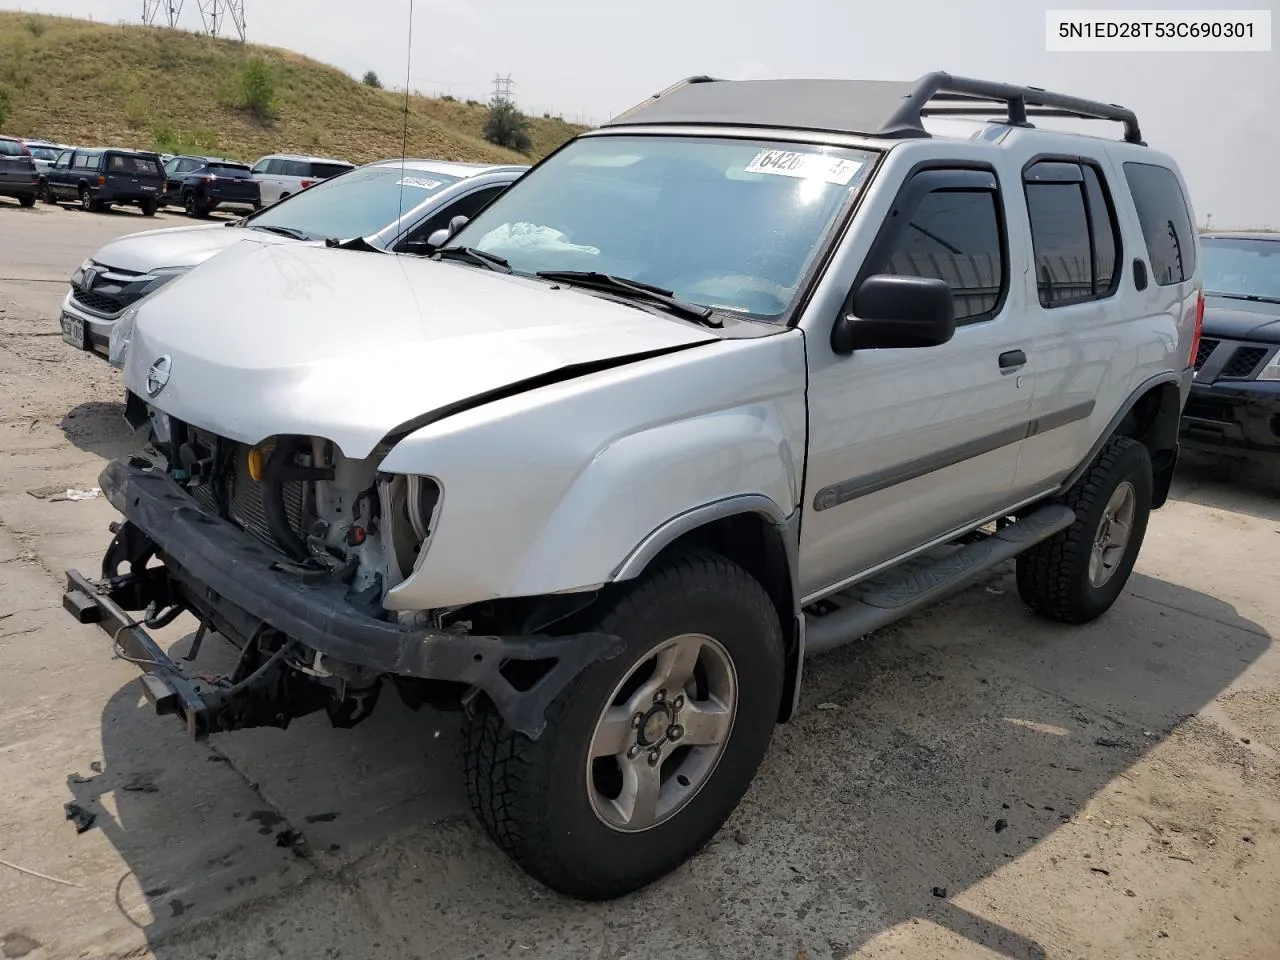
<point>18,177</point>
<point>99,177</point>
<point>1234,408</point>
<point>203,184</point>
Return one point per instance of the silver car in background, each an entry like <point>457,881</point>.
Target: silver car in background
<point>390,205</point>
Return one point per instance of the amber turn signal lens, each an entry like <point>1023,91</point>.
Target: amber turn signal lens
<point>255,464</point>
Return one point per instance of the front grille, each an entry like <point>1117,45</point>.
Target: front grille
<point>1205,348</point>
<point>245,495</point>
<point>109,295</point>
<point>1243,362</point>
<point>96,302</point>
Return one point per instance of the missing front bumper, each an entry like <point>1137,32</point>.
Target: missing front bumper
<point>235,585</point>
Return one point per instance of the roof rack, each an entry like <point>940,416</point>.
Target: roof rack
<point>982,97</point>
<point>874,108</point>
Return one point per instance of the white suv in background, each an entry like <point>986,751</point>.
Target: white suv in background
<point>281,174</point>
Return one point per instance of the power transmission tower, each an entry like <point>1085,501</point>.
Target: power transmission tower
<point>151,11</point>
<point>502,88</point>
<point>214,14</point>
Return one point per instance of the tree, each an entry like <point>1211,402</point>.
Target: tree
<point>257,92</point>
<point>506,126</point>
<point>371,80</point>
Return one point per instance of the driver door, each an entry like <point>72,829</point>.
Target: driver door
<point>908,445</point>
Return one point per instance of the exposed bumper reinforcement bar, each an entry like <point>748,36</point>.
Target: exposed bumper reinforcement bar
<point>236,586</point>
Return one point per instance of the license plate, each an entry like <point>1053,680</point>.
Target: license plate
<point>73,331</point>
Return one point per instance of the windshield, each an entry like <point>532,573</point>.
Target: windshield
<point>356,204</point>
<point>44,153</point>
<point>1241,268</point>
<point>728,224</point>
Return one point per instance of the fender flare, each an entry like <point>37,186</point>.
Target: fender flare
<point>788,530</point>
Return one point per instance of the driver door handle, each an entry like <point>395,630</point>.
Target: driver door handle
<point>1012,360</point>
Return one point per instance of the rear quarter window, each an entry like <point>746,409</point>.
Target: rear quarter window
<point>323,171</point>
<point>127,165</point>
<point>1166,221</point>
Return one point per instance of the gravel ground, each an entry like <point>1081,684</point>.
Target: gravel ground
<point>971,783</point>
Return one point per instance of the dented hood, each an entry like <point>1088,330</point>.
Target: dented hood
<point>295,339</point>
<point>177,246</point>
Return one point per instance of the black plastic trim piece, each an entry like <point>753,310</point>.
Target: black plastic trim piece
<point>1146,387</point>
<point>855,487</point>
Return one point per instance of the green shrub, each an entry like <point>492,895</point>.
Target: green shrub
<point>136,110</point>
<point>371,80</point>
<point>506,127</point>
<point>256,89</point>
<point>35,26</point>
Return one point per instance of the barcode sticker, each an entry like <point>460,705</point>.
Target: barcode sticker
<point>805,166</point>
<point>420,182</point>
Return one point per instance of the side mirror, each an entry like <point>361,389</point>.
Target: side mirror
<point>457,223</point>
<point>897,312</point>
<point>438,238</point>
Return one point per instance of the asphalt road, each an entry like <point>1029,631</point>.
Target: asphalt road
<point>972,783</point>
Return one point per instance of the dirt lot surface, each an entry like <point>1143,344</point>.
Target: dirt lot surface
<point>974,783</point>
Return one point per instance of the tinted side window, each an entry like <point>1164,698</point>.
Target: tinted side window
<point>296,168</point>
<point>276,167</point>
<point>1105,231</point>
<point>1166,223</point>
<point>261,166</point>
<point>467,206</point>
<point>954,235</point>
<point>323,171</point>
<point>1074,234</point>
<point>64,158</point>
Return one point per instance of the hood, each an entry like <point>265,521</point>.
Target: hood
<point>1231,319</point>
<point>177,246</point>
<point>299,339</point>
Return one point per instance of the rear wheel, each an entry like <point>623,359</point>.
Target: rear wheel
<point>149,208</point>
<point>86,200</point>
<point>47,195</point>
<point>27,200</point>
<point>1075,576</point>
<point>193,206</point>
<point>644,756</point>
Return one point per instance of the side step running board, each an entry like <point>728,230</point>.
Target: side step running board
<point>880,605</point>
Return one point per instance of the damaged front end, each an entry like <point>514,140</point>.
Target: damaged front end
<point>287,550</point>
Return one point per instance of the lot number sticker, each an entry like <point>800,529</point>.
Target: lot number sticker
<point>419,182</point>
<point>806,166</point>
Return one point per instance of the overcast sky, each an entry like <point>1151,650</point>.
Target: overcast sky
<point>1217,113</point>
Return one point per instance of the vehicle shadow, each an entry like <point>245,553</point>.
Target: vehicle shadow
<point>100,428</point>
<point>1242,486</point>
<point>923,760</point>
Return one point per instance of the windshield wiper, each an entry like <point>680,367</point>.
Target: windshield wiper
<point>636,290</point>
<point>490,261</point>
<point>292,233</point>
<point>1252,297</point>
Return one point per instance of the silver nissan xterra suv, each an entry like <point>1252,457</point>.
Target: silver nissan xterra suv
<point>753,370</point>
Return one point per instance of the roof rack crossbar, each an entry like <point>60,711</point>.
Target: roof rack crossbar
<point>1015,101</point>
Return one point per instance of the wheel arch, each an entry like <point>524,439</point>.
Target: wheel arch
<point>1151,415</point>
<point>753,532</point>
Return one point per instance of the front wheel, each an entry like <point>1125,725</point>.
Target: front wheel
<point>47,195</point>
<point>86,200</point>
<point>193,207</point>
<point>645,755</point>
<point>1076,575</point>
<point>27,200</point>
<point>149,208</point>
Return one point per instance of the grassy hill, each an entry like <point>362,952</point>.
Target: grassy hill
<point>88,83</point>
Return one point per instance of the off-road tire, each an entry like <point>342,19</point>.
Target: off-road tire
<point>47,195</point>
<point>27,200</point>
<point>532,795</point>
<point>87,202</point>
<point>149,208</point>
<point>1053,576</point>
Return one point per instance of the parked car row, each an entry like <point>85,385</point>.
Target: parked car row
<point>98,178</point>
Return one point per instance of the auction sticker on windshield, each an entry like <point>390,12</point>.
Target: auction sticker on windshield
<point>419,182</point>
<point>807,166</point>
